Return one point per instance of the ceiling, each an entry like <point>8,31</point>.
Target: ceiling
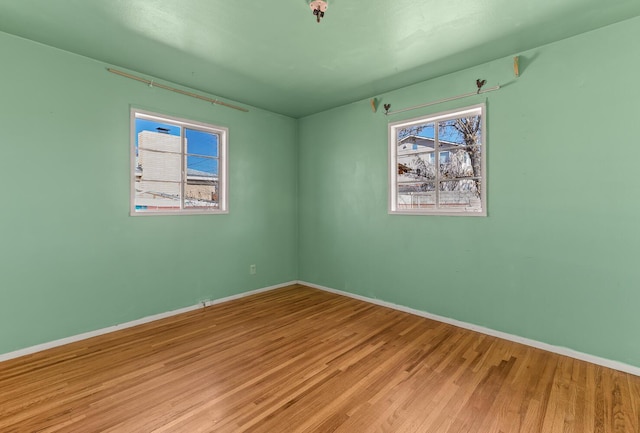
<point>273,54</point>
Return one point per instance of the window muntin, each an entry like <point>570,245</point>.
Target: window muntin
<point>437,164</point>
<point>178,166</point>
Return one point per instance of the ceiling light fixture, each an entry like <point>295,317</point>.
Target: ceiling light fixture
<point>318,7</point>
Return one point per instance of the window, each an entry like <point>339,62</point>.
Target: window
<point>437,164</point>
<point>177,166</point>
<point>445,157</point>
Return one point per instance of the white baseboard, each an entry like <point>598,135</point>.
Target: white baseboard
<point>209,303</point>
<point>84,336</point>
<point>616,365</point>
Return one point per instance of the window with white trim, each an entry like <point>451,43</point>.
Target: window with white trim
<point>437,164</point>
<point>178,166</point>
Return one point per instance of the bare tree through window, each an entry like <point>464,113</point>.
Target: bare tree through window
<point>443,163</point>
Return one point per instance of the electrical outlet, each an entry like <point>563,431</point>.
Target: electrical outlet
<point>252,269</point>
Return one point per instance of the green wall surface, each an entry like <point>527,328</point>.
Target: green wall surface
<point>72,260</point>
<point>556,260</point>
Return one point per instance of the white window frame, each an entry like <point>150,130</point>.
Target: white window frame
<point>395,127</point>
<point>223,184</point>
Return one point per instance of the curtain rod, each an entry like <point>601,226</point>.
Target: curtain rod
<point>453,98</point>
<point>152,83</point>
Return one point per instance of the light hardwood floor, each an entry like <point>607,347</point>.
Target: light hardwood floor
<point>301,360</point>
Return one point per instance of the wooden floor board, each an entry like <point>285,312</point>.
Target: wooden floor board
<point>298,359</point>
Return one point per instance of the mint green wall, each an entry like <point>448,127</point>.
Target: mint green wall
<point>71,259</point>
<point>556,260</point>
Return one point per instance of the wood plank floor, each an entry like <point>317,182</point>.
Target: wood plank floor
<point>301,360</point>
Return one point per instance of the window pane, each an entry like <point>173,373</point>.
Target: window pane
<point>415,153</point>
<point>416,195</point>
<point>415,147</point>
<point>202,195</point>
<point>419,134</point>
<point>460,195</point>
<point>158,165</point>
<point>201,142</point>
<point>201,190</point>
<point>198,166</point>
<point>461,147</point>
<point>157,195</point>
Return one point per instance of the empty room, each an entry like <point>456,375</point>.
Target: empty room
<point>319,216</point>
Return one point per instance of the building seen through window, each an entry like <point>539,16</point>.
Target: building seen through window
<point>178,167</point>
<point>437,164</point>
